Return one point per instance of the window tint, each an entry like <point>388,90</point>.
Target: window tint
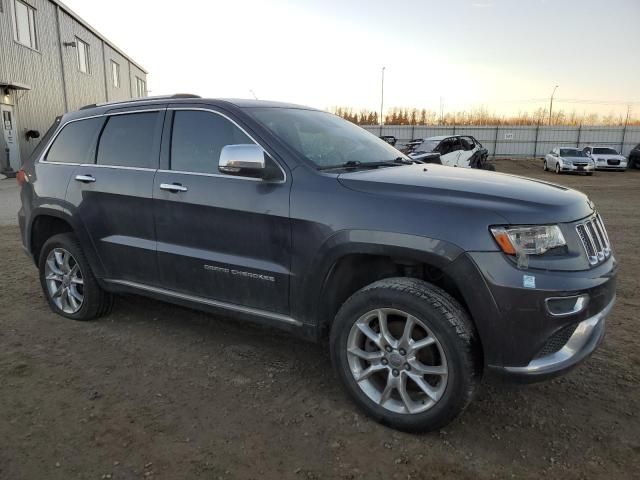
<point>128,140</point>
<point>198,138</point>
<point>73,143</point>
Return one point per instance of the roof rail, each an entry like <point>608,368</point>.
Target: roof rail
<point>142,99</point>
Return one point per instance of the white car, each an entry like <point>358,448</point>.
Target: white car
<point>454,150</point>
<point>568,160</point>
<point>606,158</point>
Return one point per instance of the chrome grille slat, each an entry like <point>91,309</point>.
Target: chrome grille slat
<point>594,239</point>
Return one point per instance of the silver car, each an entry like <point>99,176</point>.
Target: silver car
<point>606,158</point>
<point>569,160</point>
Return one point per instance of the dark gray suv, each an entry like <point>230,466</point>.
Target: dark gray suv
<point>421,278</point>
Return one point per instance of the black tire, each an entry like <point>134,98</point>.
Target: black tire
<point>96,302</point>
<point>489,166</point>
<point>558,171</point>
<point>589,174</point>
<point>545,167</point>
<point>447,321</point>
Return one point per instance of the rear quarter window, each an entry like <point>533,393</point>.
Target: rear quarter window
<point>74,142</point>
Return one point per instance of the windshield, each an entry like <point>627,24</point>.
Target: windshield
<point>605,151</point>
<point>570,152</point>
<point>323,138</point>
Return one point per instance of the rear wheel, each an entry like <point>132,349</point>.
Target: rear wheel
<point>68,282</point>
<point>405,352</point>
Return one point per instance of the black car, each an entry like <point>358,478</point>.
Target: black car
<point>422,278</point>
<point>634,157</point>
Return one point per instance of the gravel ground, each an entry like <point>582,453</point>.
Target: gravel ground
<point>9,202</point>
<point>157,391</point>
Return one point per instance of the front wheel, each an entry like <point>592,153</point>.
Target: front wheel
<point>558,168</point>
<point>405,351</point>
<point>544,166</point>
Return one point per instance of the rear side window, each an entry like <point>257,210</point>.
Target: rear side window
<point>198,138</point>
<point>128,140</point>
<point>73,143</point>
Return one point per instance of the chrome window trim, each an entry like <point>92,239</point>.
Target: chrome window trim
<point>239,177</point>
<point>200,109</point>
<point>206,301</point>
<point>45,152</point>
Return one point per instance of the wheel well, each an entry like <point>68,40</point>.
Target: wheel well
<point>353,272</point>
<point>44,227</point>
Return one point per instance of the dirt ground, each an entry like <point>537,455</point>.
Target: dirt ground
<point>160,392</point>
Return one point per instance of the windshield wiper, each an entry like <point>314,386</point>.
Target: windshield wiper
<point>355,164</point>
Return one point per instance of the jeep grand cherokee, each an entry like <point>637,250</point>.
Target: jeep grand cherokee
<point>422,278</point>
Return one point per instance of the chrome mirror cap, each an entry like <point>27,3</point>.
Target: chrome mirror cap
<point>241,159</point>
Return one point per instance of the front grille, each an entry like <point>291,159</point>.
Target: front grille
<point>557,341</point>
<point>595,240</point>
<point>613,162</point>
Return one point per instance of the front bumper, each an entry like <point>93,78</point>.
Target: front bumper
<point>622,166</point>
<point>577,168</point>
<point>584,340</point>
<point>521,338</point>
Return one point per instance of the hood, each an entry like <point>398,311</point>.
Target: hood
<point>519,200</point>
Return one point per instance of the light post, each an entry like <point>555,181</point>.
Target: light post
<point>551,102</point>
<point>382,100</point>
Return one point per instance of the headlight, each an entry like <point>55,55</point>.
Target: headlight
<point>566,162</point>
<point>528,240</point>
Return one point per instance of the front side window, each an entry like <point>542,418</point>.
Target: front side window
<point>128,140</point>
<point>197,140</point>
<point>25,24</point>
<point>83,55</point>
<point>115,74</point>
<point>323,138</point>
<point>467,143</point>
<point>141,87</point>
<point>73,143</point>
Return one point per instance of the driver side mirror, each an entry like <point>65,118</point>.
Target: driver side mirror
<point>242,160</point>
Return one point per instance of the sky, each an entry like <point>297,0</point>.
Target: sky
<point>503,55</point>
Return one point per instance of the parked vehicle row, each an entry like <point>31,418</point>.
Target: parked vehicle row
<point>422,279</point>
<point>587,160</point>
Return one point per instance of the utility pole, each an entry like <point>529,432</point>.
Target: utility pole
<point>441,112</point>
<point>551,102</point>
<point>382,101</point>
<point>624,130</point>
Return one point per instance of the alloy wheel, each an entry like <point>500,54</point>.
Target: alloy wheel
<point>64,280</point>
<point>397,361</point>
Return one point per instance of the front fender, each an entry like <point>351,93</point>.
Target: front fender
<point>307,296</point>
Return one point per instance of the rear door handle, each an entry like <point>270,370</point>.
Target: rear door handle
<point>173,187</point>
<point>85,178</point>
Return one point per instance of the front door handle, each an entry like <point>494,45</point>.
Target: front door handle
<point>173,187</point>
<point>85,178</point>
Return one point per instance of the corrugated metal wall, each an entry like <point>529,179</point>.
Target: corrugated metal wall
<point>526,141</point>
<point>42,70</point>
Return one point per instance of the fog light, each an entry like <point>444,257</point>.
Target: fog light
<point>562,306</point>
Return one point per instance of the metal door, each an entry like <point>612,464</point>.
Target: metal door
<point>10,136</point>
